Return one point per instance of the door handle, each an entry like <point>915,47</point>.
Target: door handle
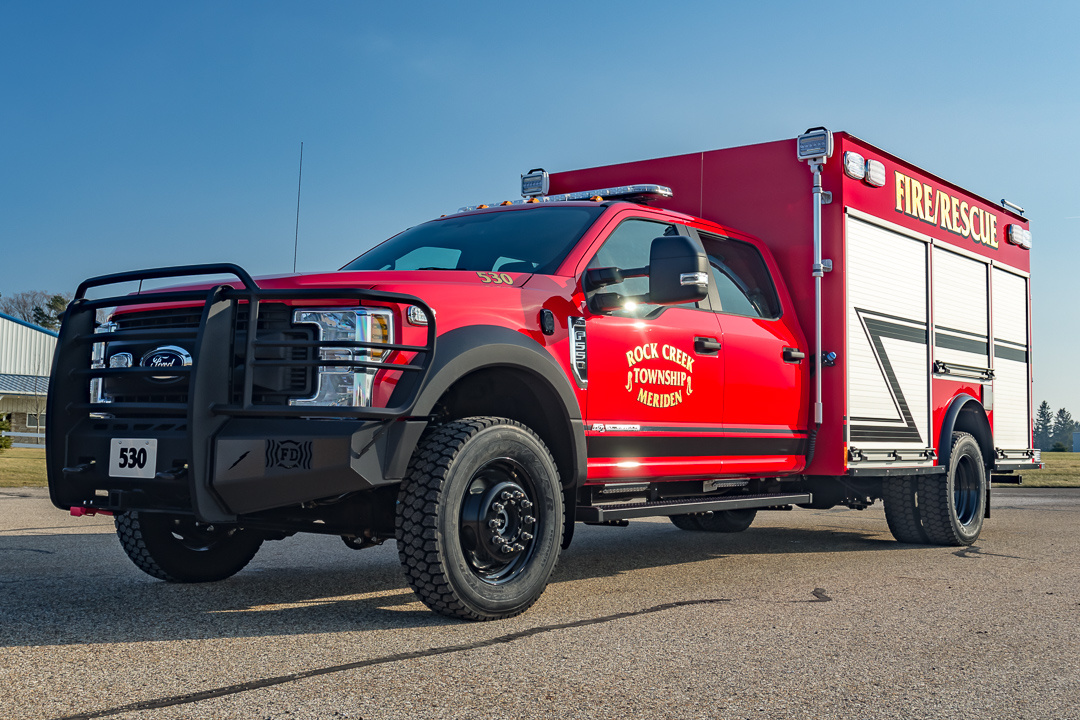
<point>706,345</point>
<point>793,355</point>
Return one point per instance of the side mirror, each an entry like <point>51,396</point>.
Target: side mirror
<point>678,271</point>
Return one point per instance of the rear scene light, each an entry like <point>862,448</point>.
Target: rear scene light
<point>854,165</point>
<point>1017,235</point>
<point>535,182</point>
<point>875,173</point>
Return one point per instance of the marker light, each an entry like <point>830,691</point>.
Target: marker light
<point>1017,235</point>
<point>854,165</point>
<point>875,173</point>
<point>416,316</point>
<point>535,182</point>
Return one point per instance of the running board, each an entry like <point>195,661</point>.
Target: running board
<point>626,511</point>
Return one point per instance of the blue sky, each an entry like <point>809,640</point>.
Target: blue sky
<point>137,134</point>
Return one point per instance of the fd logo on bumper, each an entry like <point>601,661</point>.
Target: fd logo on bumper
<point>288,454</point>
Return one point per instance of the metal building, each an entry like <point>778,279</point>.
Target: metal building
<point>26,352</point>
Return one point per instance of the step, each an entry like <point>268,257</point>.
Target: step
<point>682,506</point>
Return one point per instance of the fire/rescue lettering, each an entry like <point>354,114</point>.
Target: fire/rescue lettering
<point>935,207</point>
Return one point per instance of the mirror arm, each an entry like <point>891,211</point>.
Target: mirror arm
<point>596,278</point>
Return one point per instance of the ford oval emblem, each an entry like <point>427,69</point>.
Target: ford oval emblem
<point>168,356</point>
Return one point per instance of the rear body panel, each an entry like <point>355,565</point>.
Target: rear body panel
<point>882,300</point>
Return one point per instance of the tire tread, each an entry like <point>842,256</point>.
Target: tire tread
<point>416,524</point>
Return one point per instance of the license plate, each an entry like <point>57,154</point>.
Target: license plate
<point>132,457</point>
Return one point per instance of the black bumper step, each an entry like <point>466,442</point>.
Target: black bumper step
<point>682,506</point>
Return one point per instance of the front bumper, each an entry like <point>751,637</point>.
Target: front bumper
<point>221,452</point>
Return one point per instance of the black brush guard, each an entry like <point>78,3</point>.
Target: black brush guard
<point>210,448</point>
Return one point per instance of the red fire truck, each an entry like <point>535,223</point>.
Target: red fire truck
<point>810,322</point>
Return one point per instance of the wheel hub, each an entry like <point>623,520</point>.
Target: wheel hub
<point>498,520</point>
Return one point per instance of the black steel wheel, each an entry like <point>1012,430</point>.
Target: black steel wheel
<point>176,548</point>
<point>480,519</point>
<point>953,506</point>
<point>902,512</point>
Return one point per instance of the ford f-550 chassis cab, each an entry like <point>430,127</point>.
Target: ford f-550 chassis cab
<point>699,337</point>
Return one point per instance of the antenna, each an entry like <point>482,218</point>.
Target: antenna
<point>299,179</point>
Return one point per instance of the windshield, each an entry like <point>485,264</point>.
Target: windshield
<point>533,240</point>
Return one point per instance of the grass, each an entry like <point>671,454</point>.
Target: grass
<point>22,467</point>
<point>1060,470</point>
<point>25,467</point>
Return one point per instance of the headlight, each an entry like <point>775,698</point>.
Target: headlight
<point>341,385</point>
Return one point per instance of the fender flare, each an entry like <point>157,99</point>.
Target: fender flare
<point>465,350</point>
<point>978,425</point>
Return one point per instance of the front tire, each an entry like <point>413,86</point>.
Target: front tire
<point>480,519</point>
<point>176,548</point>
<point>953,507</point>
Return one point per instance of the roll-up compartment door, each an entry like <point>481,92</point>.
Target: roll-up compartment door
<point>888,363</point>
<point>1012,386</point>
<point>961,315</point>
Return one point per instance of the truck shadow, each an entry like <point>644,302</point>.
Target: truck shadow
<point>65,589</point>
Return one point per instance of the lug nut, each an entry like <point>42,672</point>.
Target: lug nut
<point>526,504</point>
<point>526,536</point>
<point>498,507</point>
<point>528,520</point>
<point>518,547</point>
<point>494,524</point>
<point>506,495</point>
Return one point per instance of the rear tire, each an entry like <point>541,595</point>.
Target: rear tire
<point>480,519</point>
<point>720,521</point>
<point>686,522</point>
<point>902,511</point>
<point>953,506</point>
<point>728,521</point>
<point>175,548</point>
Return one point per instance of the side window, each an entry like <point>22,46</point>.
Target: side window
<point>628,247</point>
<point>741,278</point>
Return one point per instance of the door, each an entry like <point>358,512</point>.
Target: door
<point>655,374</point>
<point>765,363</point>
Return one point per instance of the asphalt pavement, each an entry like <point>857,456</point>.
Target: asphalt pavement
<point>807,614</point>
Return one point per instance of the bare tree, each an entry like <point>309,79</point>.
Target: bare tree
<point>22,305</point>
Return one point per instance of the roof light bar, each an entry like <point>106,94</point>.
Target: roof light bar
<point>633,193</point>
